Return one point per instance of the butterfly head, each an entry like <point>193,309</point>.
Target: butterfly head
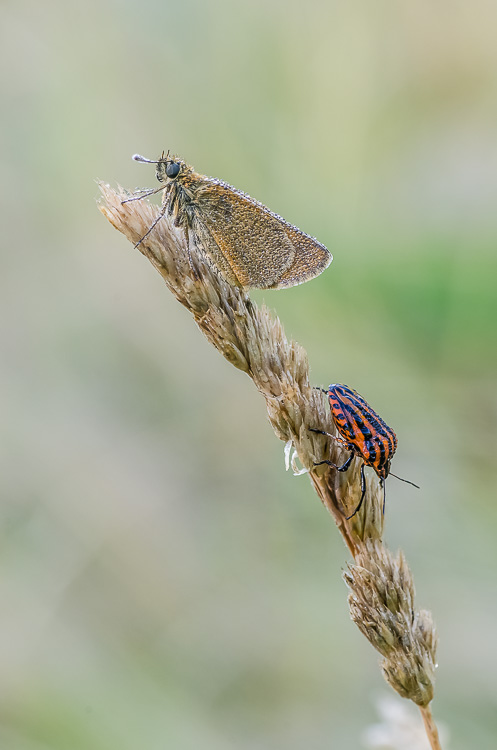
<point>168,168</point>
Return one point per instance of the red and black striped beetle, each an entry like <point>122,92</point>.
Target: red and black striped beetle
<point>363,433</point>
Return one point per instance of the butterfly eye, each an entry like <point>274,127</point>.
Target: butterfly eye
<point>172,169</point>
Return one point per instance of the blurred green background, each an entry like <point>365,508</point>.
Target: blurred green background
<point>164,583</point>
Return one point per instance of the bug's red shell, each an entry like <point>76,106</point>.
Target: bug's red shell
<point>364,431</point>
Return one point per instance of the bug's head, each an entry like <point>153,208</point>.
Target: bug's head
<point>168,168</point>
<point>385,470</point>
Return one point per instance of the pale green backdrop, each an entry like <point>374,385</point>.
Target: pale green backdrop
<point>163,582</point>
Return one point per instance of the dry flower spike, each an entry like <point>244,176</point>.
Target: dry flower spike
<point>381,596</point>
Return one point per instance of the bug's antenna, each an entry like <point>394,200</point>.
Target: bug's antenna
<point>404,480</point>
<point>137,157</point>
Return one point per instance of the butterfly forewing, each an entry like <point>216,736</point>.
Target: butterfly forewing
<point>311,258</point>
<point>247,235</point>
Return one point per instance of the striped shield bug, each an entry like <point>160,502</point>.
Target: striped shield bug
<point>364,433</point>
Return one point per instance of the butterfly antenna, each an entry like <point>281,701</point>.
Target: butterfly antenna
<point>404,480</point>
<point>138,157</point>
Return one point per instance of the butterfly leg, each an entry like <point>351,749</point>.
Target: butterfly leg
<point>143,194</point>
<point>189,252</point>
<point>154,224</point>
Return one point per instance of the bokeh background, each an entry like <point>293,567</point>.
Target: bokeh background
<point>163,582</point>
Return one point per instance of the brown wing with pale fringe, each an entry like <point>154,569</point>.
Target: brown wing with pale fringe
<point>251,244</point>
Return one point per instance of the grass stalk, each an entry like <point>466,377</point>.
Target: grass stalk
<point>381,588</point>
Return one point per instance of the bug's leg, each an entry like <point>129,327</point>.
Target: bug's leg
<point>321,432</point>
<point>330,463</point>
<point>363,493</point>
<point>382,482</point>
<point>347,463</point>
<point>344,466</point>
<point>338,440</point>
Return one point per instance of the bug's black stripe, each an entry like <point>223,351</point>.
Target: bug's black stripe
<point>382,443</point>
<point>390,436</point>
<point>364,439</point>
<point>371,453</point>
<point>363,427</point>
<point>378,426</point>
<point>393,438</point>
<point>382,435</point>
<point>382,448</point>
<point>351,412</point>
<point>371,443</point>
<point>341,417</point>
<point>385,430</point>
